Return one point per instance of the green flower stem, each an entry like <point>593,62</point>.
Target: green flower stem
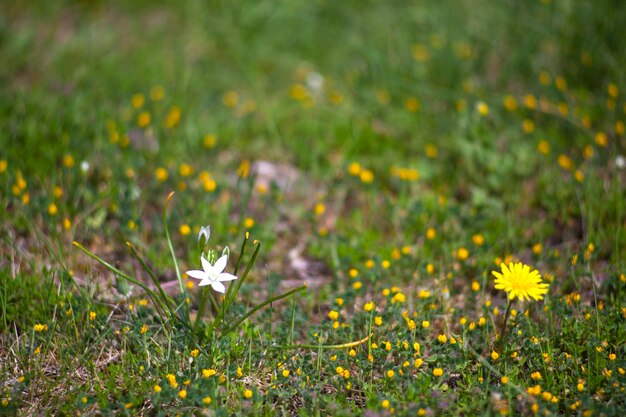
<point>156,282</point>
<point>503,328</point>
<point>169,243</point>
<point>203,298</point>
<point>261,305</point>
<point>155,298</point>
<point>234,288</point>
<point>243,247</point>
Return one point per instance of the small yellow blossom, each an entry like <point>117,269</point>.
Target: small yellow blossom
<point>143,119</point>
<point>161,174</point>
<point>437,372</point>
<point>510,103</point>
<point>354,169</point>
<point>138,100</point>
<point>462,254</point>
<point>40,327</point>
<point>482,108</point>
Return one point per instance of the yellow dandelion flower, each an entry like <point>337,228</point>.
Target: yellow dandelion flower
<point>412,104</point>
<point>437,372</point>
<point>143,119</point>
<point>519,280</point>
<point>509,103</point>
<point>247,394</point>
<point>483,108</point>
<point>462,254</point>
<point>40,327</point>
<point>601,139</point>
<point>173,117</point>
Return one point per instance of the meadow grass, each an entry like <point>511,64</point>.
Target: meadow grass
<point>369,166</point>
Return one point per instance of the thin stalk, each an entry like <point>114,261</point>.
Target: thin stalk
<point>234,288</point>
<point>169,243</point>
<point>320,346</point>
<point>293,319</point>
<point>493,370</point>
<point>260,306</point>
<point>143,264</point>
<point>155,298</point>
<point>503,328</point>
<point>243,247</point>
<point>203,298</point>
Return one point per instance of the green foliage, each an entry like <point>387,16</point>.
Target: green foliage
<point>393,153</point>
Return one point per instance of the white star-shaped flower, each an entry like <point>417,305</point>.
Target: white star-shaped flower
<point>213,275</point>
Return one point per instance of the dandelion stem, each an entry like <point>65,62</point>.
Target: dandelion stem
<point>503,328</point>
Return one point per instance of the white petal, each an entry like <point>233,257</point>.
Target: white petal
<point>196,274</point>
<point>206,265</point>
<point>226,277</point>
<point>218,286</point>
<point>220,264</point>
<point>204,283</point>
